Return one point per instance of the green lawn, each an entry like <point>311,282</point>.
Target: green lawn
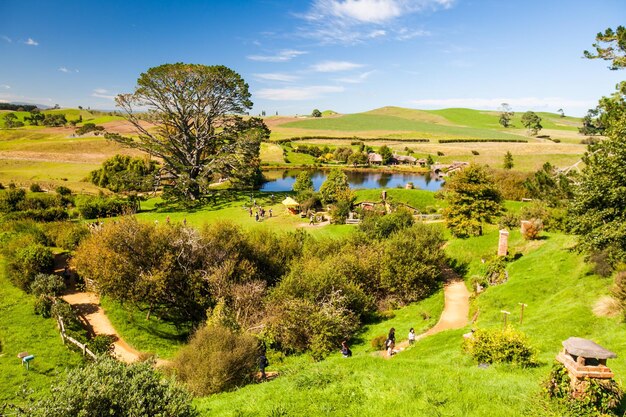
<point>21,330</point>
<point>271,153</point>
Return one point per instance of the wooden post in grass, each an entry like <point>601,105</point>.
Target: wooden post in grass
<point>521,314</point>
<point>504,315</point>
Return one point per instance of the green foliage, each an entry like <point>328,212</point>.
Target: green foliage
<point>472,199</point>
<point>216,359</point>
<point>43,306</point>
<point>66,235</point>
<point>610,46</point>
<point>316,113</point>
<point>599,397</point>
<point>94,207</point>
<point>62,190</point>
<point>51,285</point>
<point>379,342</point>
<point>500,346</point>
<point>11,121</point>
<point>357,158</point>
<point>111,388</point>
<point>342,153</point>
<point>593,122</point>
<point>508,160</point>
<point>102,344</point>
<point>619,288</point>
<point>511,183</point>
<point>303,182</point>
<point>125,173</point>
<point>531,228</point>
<point>35,188</point>
<point>335,185</point>
<point>54,120</point>
<point>218,142</point>
<point>494,271</point>
<point>342,206</point>
<point>386,153</point>
<point>532,122</point>
<point>27,262</point>
<point>89,127</point>
<point>382,226</point>
<point>550,185</point>
<point>505,115</point>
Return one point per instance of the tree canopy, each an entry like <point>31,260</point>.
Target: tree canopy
<point>199,134</point>
<point>505,115</point>
<point>532,122</point>
<point>599,207</point>
<point>473,198</point>
<point>335,186</point>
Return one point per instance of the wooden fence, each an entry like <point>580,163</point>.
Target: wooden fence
<point>83,347</point>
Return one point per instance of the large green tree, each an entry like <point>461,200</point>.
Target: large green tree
<point>473,198</point>
<point>303,183</point>
<point>335,186</point>
<point>598,212</point>
<point>532,122</point>
<point>506,113</point>
<point>198,132</point>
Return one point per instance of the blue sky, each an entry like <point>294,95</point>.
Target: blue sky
<point>344,55</point>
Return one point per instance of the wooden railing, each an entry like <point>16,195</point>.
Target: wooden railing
<point>83,347</point>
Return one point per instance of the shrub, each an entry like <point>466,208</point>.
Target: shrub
<point>619,288</point>
<point>495,271</point>
<point>35,188</point>
<point>598,398</point>
<point>11,198</point>
<point>475,152</point>
<point>111,388</point>
<point>497,346</point>
<point>378,343</point>
<point>28,262</point>
<point>439,153</point>
<point>1,186</point>
<point>125,173</point>
<point>531,229</point>
<point>383,226</point>
<point>509,221</point>
<point>102,344</point>
<point>602,264</point>
<point>50,285</point>
<point>216,359</point>
<point>66,235</point>
<point>63,190</point>
<point>95,207</point>
<point>43,306</point>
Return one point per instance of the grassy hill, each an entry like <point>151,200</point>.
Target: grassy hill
<point>435,377</point>
<point>397,122</point>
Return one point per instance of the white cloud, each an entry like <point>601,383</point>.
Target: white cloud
<point>297,93</point>
<point>335,66</point>
<point>356,79</point>
<point>63,69</point>
<point>102,93</point>
<point>355,21</point>
<point>31,42</point>
<point>277,76</point>
<point>6,39</point>
<point>518,104</point>
<point>5,86</point>
<point>281,56</point>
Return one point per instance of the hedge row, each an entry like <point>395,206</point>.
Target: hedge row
<point>352,138</point>
<point>481,140</point>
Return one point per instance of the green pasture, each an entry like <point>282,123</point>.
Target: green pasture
<point>23,331</point>
<point>47,174</point>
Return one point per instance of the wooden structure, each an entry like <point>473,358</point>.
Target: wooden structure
<point>503,243</point>
<point>585,359</point>
<point>374,159</point>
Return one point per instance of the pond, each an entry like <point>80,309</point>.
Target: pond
<point>282,180</point>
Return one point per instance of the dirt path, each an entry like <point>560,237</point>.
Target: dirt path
<point>455,312</point>
<point>88,305</point>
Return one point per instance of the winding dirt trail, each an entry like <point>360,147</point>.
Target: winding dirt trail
<point>88,305</point>
<point>454,316</point>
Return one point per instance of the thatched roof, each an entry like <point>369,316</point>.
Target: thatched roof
<point>290,202</point>
<point>374,157</point>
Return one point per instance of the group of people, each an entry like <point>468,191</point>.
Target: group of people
<point>260,213</point>
<point>390,343</point>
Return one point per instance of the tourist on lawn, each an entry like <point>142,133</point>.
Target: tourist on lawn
<point>345,350</point>
<point>270,213</point>
<point>411,336</point>
<point>250,211</point>
<point>391,341</point>
<point>256,216</point>
<point>263,363</point>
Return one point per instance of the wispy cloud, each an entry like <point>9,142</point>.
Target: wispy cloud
<point>519,103</point>
<point>6,39</point>
<point>354,21</point>
<point>31,42</point>
<point>277,76</point>
<point>297,93</point>
<point>357,79</point>
<point>67,70</point>
<point>5,86</point>
<point>335,66</point>
<point>102,93</point>
<point>281,56</point>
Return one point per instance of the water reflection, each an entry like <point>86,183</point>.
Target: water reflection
<point>282,180</point>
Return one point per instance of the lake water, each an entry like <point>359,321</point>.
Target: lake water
<point>282,180</point>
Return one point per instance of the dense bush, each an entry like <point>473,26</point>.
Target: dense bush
<point>89,127</point>
<point>51,214</point>
<point>379,342</point>
<point>531,229</point>
<point>216,359</point>
<point>95,207</point>
<point>102,344</point>
<point>35,188</point>
<point>43,306</point>
<point>599,397</point>
<point>497,346</point>
<point>126,173</point>
<point>47,284</point>
<point>383,226</point>
<point>111,388</point>
<point>62,190</point>
<point>27,262</point>
<point>66,235</point>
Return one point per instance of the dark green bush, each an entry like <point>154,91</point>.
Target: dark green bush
<point>29,261</point>
<point>216,359</point>
<point>43,306</point>
<point>10,199</point>
<point>382,226</point>
<point>63,190</point>
<point>102,344</point>
<point>125,173</point>
<point>66,235</point>
<point>96,207</point>
<point>44,284</point>
<point>35,188</point>
<point>497,346</point>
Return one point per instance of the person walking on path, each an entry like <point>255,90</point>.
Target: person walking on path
<point>411,336</point>
<point>312,220</point>
<point>391,341</point>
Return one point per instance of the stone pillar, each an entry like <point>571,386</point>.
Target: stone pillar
<point>503,244</point>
